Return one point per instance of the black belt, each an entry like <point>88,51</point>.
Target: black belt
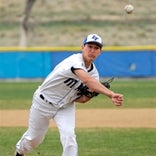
<point>43,98</point>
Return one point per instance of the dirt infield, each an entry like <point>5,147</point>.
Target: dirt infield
<point>91,118</point>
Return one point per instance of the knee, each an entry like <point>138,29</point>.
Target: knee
<point>25,145</point>
<point>69,145</point>
<point>34,142</point>
<point>69,140</point>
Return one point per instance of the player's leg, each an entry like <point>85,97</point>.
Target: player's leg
<point>38,126</point>
<point>65,121</point>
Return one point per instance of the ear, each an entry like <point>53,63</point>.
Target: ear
<point>82,46</point>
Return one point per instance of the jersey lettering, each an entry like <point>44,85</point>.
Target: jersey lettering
<point>79,87</point>
<point>70,82</point>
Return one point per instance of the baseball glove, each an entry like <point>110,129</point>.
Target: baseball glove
<point>107,83</point>
<point>85,90</point>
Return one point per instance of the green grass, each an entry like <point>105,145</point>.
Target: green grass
<point>16,95</point>
<point>138,93</point>
<point>92,142</point>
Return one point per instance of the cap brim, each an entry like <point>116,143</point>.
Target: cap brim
<point>97,43</point>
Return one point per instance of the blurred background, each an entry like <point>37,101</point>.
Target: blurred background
<point>48,31</point>
<point>66,22</point>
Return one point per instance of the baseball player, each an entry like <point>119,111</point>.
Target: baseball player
<point>74,79</point>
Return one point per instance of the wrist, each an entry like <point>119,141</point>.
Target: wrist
<point>110,95</point>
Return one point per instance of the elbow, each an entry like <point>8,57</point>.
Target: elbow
<point>83,99</point>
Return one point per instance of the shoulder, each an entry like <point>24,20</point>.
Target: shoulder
<point>76,60</point>
<point>76,56</point>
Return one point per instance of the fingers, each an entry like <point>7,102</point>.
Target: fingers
<point>117,102</point>
<point>117,99</point>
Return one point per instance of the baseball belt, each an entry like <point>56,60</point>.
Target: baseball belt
<point>44,99</point>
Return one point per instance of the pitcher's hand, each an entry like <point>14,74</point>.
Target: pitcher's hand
<point>117,99</point>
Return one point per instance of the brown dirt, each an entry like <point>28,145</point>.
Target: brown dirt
<point>91,118</point>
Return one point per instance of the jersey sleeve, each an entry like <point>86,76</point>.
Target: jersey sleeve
<point>73,69</point>
<point>92,71</point>
<point>77,63</point>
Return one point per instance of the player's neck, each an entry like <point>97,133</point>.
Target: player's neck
<point>87,62</point>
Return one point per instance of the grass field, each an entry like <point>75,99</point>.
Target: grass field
<point>92,142</point>
<point>139,93</point>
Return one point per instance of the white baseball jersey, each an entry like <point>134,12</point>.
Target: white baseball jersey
<point>61,86</point>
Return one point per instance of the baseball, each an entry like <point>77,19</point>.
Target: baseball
<point>129,8</point>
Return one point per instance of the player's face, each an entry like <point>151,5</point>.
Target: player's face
<point>90,52</point>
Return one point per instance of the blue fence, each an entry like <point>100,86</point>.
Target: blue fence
<point>121,62</point>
